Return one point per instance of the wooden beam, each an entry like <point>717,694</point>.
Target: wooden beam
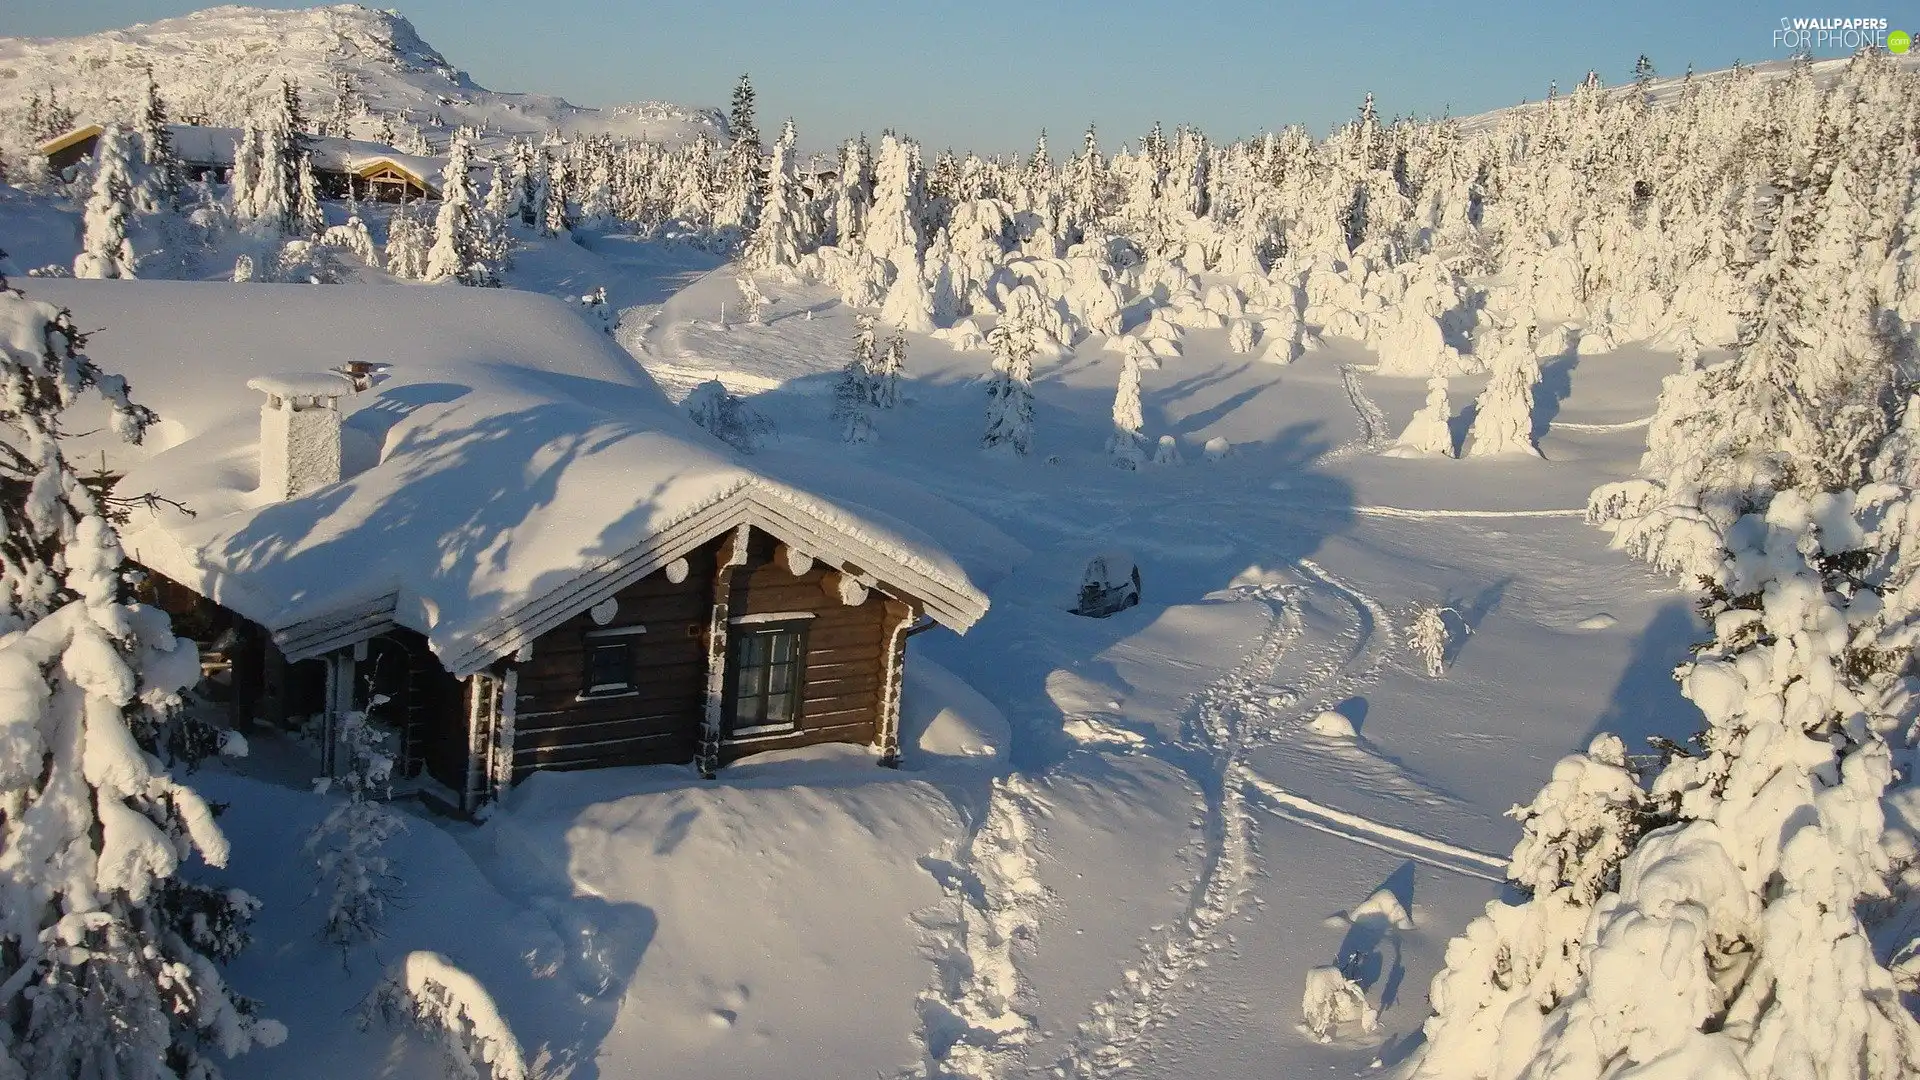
<point>850,589</point>
<point>732,556</point>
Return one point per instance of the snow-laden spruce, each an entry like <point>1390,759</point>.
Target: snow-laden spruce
<point>459,228</point>
<point>1736,941</point>
<point>1503,416</point>
<point>1126,446</point>
<point>355,875</point>
<point>111,953</point>
<point>1010,391</point>
<point>728,417</point>
<point>1428,432</point>
<point>105,251</point>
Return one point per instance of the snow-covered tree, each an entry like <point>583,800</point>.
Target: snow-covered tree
<point>162,177</point>
<point>779,235</point>
<point>111,954</point>
<point>727,416</point>
<point>887,371</point>
<point>854,394</point>
<point>1428,431</point>
<point>355,876</point>
<point>105,251</point>
<point>741,183</point>
<point>308,219</point>
<point>1731,942</point>
<point>408,240</point>
<point>458,230</point>
<point>1126,446</point>
<point>1503,416</point>
<point>1010,393</point>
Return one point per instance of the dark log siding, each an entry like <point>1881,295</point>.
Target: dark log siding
<point>659,723</point>
<point>840,695</point>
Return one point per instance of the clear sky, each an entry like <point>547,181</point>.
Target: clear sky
<point>988,74</point>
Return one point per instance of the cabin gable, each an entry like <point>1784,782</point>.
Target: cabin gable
<point>801,665</point>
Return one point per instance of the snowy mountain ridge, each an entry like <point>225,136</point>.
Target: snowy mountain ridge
<point>217,63</point>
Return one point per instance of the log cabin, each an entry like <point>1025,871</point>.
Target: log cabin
<point>503,540</point>
<point>341,167</point>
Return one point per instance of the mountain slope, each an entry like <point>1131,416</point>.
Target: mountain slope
<point>217,63</point>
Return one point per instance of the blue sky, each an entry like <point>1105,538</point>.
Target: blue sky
<point>988,74</point>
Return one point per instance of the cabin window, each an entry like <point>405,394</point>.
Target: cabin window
<point>609,668</point>
<point>766,677</point>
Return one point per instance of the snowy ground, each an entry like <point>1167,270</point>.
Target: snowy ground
<point>1118,844</point>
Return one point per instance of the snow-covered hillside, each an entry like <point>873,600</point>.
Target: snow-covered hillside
<point>221,62</point>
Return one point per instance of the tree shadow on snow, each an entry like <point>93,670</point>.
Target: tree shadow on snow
<point>1555,385</point>
<point>1370,953</point>
<point>1646,700</point>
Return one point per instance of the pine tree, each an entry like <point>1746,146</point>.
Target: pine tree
<point>1755,898</point>
<point>555,220</point>
<point>854,394</point>
<point>742,185</point>
<point>246,171</point>
<point>162,163</point>
<point>1126,447</point>
<point>308,217</point>
<point>777,238</point>
<point>458,231</point>
<point>105,251</point>
<point>887,372</point>
<point>1010,393</point>
<point>111,955</point>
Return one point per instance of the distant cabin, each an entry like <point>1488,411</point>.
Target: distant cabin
<point>341,167</point>
<point>518,553</point>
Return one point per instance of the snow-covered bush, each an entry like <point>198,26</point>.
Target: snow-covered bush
<point>1332,999</point>
<point>1429,637</point>
<point>728,417</point>
<point>1167,452</point>
<point>426,992</point>
<point>752,301</point>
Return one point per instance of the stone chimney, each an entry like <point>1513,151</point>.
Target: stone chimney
<point>299,432</point>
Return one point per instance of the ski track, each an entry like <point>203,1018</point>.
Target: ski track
<point>1399,512</point>
<point>1389,838</point>
<point>1625,425</point>
<point>1373,422</point>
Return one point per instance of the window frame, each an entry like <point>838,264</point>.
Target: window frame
<point>595,641</point>
<point>739,631</point>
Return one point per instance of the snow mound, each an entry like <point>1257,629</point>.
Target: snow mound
<point>1333,725</point>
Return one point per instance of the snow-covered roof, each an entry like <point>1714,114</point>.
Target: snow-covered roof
<point>215,146</point>
<point>516,467</point>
